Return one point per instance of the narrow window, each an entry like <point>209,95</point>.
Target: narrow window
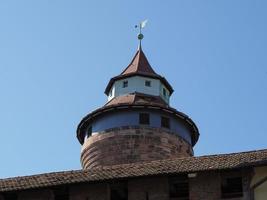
<point>179,188</point>
<point>148,83</point>
<point>165,122</point>
<point>89,132</point>
<point>164,92</point>
<point>231,187</point>
<point>119,191</point>
<point>147,196</point>
<point>125,84</point>
<point>61,193</point>
<point>10,196</point>
<point>144,118</point>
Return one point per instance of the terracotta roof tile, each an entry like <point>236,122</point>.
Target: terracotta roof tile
<point>137,98</point>
<point>154,168</point>
<point>139,64</point>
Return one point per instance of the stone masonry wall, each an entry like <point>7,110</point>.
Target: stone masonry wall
<point>132,144</point>
<point>153,188</point>
<point>36,195</point>
<point>206,186</point>
<point>99,191</point>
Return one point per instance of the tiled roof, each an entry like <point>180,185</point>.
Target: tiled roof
<point>139,66</point>
<point>137,98</point>
<point>154,168</point>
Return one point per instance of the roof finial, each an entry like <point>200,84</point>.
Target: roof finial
<point>140,35</point>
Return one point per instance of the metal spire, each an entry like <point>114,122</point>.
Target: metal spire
<point>140,35</point>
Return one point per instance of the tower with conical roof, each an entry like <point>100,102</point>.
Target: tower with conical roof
<point>137,123</point>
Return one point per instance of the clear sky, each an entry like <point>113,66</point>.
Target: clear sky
<point>57,56</point>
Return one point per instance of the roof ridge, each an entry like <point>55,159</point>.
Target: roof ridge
<point>153,168</point>
<point>136,164</point>
<point>234,153</point>
<point>136,54</point>
<point>41,174</point>
<point>185,158</point>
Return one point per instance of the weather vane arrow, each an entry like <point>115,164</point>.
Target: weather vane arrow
<point>140,36</point>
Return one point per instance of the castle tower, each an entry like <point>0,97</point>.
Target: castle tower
<point>137,123</point>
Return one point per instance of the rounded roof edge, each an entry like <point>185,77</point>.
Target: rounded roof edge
<point>170,110</point>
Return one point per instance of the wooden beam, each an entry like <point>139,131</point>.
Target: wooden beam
<point>261,181</point>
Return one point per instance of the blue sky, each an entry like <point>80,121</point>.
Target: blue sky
<point>57,56</point>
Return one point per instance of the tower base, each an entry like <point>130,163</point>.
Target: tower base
<point>132,144</point>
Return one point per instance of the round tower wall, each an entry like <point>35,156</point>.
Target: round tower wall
<point>131,118</point>
<point>131,144</point>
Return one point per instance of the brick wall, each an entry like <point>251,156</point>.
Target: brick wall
<point>132,144</point>
<point>206,186</point>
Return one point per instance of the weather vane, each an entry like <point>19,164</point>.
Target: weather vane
<point>140,35</point>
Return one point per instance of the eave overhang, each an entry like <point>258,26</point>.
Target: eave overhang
<point>153,76</point>
<point>103,110</point>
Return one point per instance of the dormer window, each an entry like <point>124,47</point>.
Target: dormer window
<point>148,83</point>
<point>125,84</point>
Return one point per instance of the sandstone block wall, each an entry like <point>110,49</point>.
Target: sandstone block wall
<point>36,195</point>
<point>153,188</point>
<point>132,144</point>
<point>99,191</point>
<point>206,186</point>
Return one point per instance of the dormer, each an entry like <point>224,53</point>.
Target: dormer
<point>139,77</point>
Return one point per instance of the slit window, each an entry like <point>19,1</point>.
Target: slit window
<point>119,191</point>
<point>88,132</point>
<point>144,118</point>
<point>10,196</point>
<point>148,83</point>
<point>179,188</point>
<point>165,122</point>
<point>164,92</point>
<point>231,187</point>
<point>125,84</point>
<point>61,193</point>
